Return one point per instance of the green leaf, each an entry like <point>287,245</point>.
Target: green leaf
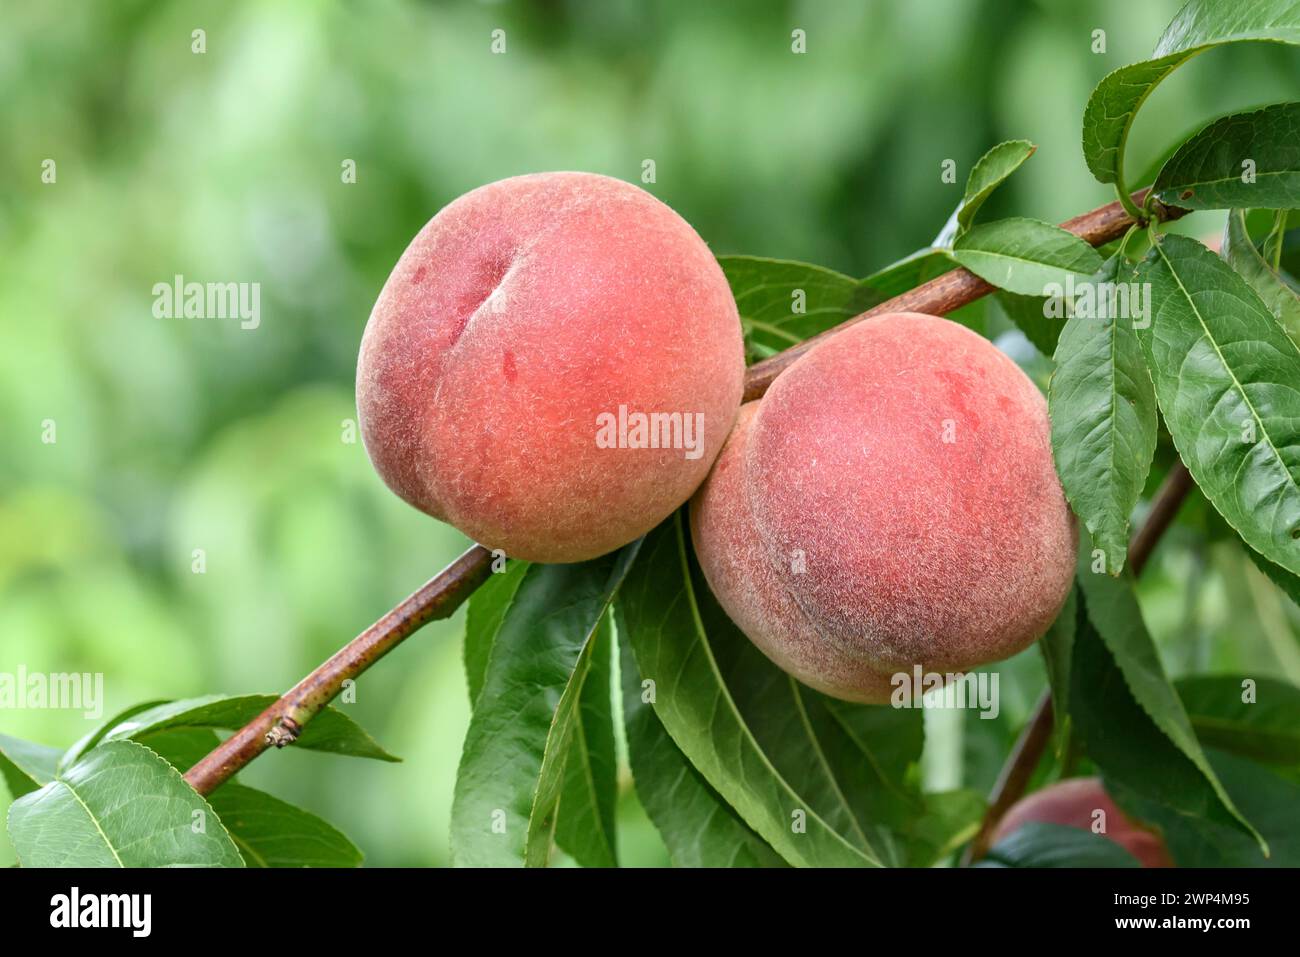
<point>909,272</point>
<point>1058,649</point>
<point>678,648</point>
<point>782,303</point>
<point>1228,381</point>
<point>1103,411</point>
<point>586,827</point>
<point>1029,314</point>
<point>93,737</point>
<point>1280,577</point>
<point>512,766</point>
<point>1200,25</point>
<point>869,753</point>
<point>988,174</point>
<point>272,833</point>
<point>331,730</point>
<point>1265,729</point>
<point>1208,171</point>
<point>119,806</point>
<point>487,606</point>
<point>1241,254</point>
<point>267,831</point>
<point>1267,799</point>
<point>950,819</point>
<point>1037,844</point>
<point>26,766</point>
<point>699,828</point>
<point>1025,256</point>
<point>182,748</point>
<point>1131,720</point>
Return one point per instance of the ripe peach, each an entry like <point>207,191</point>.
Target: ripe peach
<point>522,330</point>
<point>890,502</point>
<point>1075,803</point>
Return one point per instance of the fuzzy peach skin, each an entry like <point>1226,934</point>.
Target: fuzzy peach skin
<point>1073,803</point>
<point>517,316</point>
<point>891,501</point>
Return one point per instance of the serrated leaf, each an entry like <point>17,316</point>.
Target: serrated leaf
<point>91,738</point>
<point>487,606</point>
<point>1265,729</point>
<point>512,765</point>
<point>1029,314</point>
<point>909,272</point>
<point>1199,25</point>
<point>182,748</point>
<point>585,827</point>
<point>1245,258</point>
<point>1025,256</point>
<point>950,819</point>
<point>1058,648</point>
<point>121,805</point>
<point>1132,723</point>
<point>988,173</point>
<point>1280,577</point>
<point>1210,170</point>
<point>1267,799</point>
<point>585,824</point>
<point>699,828</point>
<point>267,831</point>
<point>26,766</point>
<point>1038,844</point>
<point>331,730</point>
<point>677,648</point>
<point>782,302</point>
<point>1228,382</point>
<point>272,833</point>
<point>849,760</point>
<point>1103,411</point>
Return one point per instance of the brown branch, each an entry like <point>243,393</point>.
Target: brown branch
<point>1164,507</point>
<point>952,290</point>
<point>1023,760</point>
<point>282,722</point>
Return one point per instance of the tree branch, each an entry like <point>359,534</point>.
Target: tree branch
<point>1029,747</point>
<point>282,722</point>
<point>952,290</point>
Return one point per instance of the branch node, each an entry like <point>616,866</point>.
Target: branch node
<point>284,733</point>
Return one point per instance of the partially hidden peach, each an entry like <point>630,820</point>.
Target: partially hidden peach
<point>1084,803</point>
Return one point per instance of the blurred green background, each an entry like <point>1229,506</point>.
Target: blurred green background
<point>183,434</point>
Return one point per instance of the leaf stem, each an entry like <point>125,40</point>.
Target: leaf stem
<point>283,721</point>
<point>1272,250</point>
<point>1130,206</point>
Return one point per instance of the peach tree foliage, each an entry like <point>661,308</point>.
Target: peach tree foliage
<point>735,762</point>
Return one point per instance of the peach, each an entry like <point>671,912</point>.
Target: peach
<point>1075,803</point>
<point>890,502</point>
<point>552,366</point>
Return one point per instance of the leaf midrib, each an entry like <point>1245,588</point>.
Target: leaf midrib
<point>93,820</point>
<point>724,693</point>
<point>1227,368</point>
